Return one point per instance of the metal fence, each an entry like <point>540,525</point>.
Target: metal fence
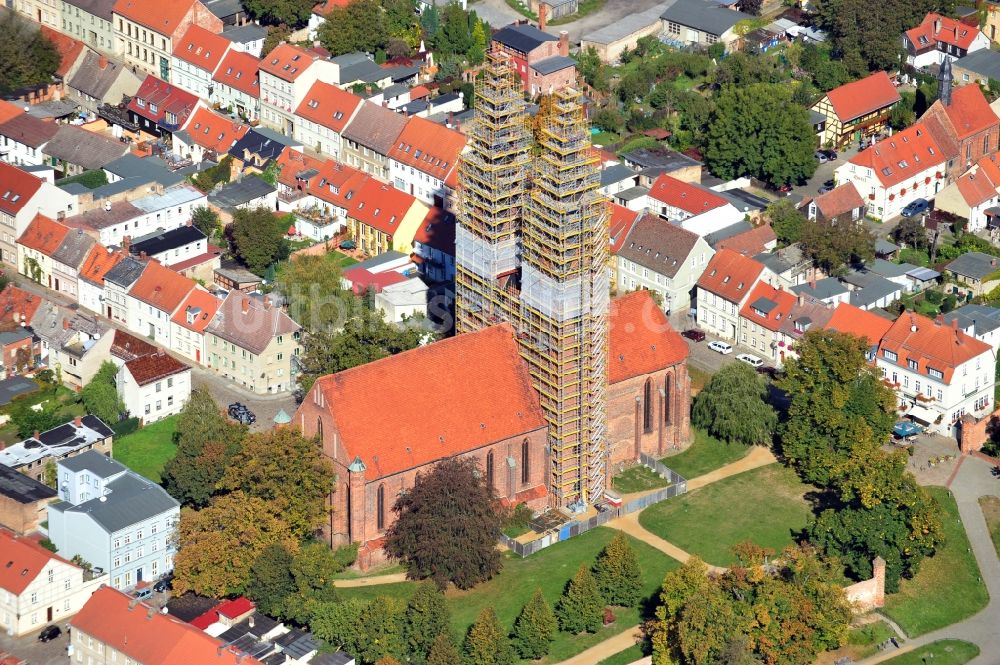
<point>678,485</point>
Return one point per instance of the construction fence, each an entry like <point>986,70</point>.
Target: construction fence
<point>677,486</point>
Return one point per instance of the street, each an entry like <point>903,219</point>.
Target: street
<point>32,651</point>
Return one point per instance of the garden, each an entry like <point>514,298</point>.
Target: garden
<point>147,450</point>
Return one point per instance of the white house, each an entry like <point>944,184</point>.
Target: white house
<point>237,85</point>
<point>154,386</point>
<point>22,197</point>
<point>424,157</point>
<point>90,277</point>
<point>322,116</point>
<point>152,300</point>
<point>973,194</point>
<point>38,587</point>
<point>403,300</point>
<point>173,246</point>
<point>286,75</point>
<point>939,372</point>
<point>187,335</point>
<point>723,288</point>
<point>939,37</point>
<point>22,139</point>
<point>979,321</point>
<point>695,208</point>
<point>195,59</point>
<point>118,280</point>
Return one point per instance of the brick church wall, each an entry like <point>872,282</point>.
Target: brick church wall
<point>671,428</point>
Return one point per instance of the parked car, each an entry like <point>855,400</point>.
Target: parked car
<point>721,347</point>
<point>165,583</point>
<point>694,335</point>
<point>750,359</point>
<point>826,187</point>
<point>241,413</point>
<point>830,154</point>
<point>49,633</point>
<point>821,157</point>
<point>916,207</point>
<point>786,188</point>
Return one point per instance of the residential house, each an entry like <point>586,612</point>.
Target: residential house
<point>260,145</point>
<point>152,300</point>
<point>90,282</point>
<point>665,259</point>
<point>171,247</point>
<point>248,38</point>
<point>154,386</point>
<point>975,195</point>
<point>939,37</point>
<point>870,290</point>
<point>70,51</point>
<point>351,69</point>
<point>701,23</point>
<point>322,116</point>
<point>148,31</point>
<point>39,587</point>
<point>979,321</point>
<point>101,80</point>
<point>73,150</point>
<point>236,85</point>
<point>434,246</point>
<point>939,373</point>
<point>400,301</point>
<point>319,13</point>
<point>187,335</point>
<point>755,241</point>
<point>857,110</point>
<point>196,57</point>
<point>908,165</point>
<point>114,519</point>
<point>254,344</point>
<point>22,139</point>
<point>249,192</point>
<point>540,59</point>
<point>19,351</point>
<point>296,171</point>
<point>66,261</point>
<point>382,218</point>
<point>693,207</point>
<point>829,290</point>
<point>230,12</point>
<point>331,189</point>
<point>35,248</point>
<point>45,12</point>
<point>23,503</point>
<point>762,316</point>
<point>979,66</point>
<point>894,272</point>
<point>208,135</point>
<point>36,455</point>
<point>370,137</point>
<point>841,204</point>
<point>805,315</point>
<point>617,178</point>
<point>651,163</point>
<point>91,22</point>
<point>71,342</point>
<point>423,159</point>
<point>861,323</point>
<point>286,75</point>
<point>978,272</point>
<point>969,121</point>
<point>722,290</point>
<point>117,282</point>
<point>232,276</point>
<point>159,108</point>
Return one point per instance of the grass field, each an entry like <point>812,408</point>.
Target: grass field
<point>942,652</point>
<point>991,511</point>
<point>946,588</point>
<point>341,259</point>
<point>549,570</point>
<point>706,454</point>
<point>147,450</point>
<point>625,657</point>
<point>638,478</point>
<point>765,505</point>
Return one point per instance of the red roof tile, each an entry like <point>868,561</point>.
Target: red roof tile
<point>329,106</point>
<point>16,188</point>
<point>162,17</point>
<point>969,112</point>
<point>236,607</point>
<point>69,49</point>
<point>767,306</point>
<point>936,28</point>
<point>863,96</point>
<point>292,164</point>
<point>751,242</point>
<point>128,347</point>
<point>437,231</point>
<point>238,70</point>
<point>204,620</point>
<point>380,206</point>
<point>691,198</point>
<point>43,235</point>
<point>202,48</point>
<point>362,279</point>
<point>730,275</point>
<point>981,183</point>
<point>9,111</point>
<point>327,6</point>
<point>338,184</point>
<point>904,155</point>
<point>202,305</point>
<point>858,322</point>
<point>98,262</point>
<point>212,254</point>
<point>165,97</point>
<point>154,367</point>
<point>18,304</point>
<point>287,61</point>
<point>839,200</point>
<point>620,223</point>
<point>423,426</point>
<point>144,634</point>
<point>931,344</point>
<point>428,147</point>
<point>640,338</point>
<point>161,287</point>
<point>21,560</point>
<point>213,131</point>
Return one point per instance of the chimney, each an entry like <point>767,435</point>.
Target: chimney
<point>126,243</point>
<point>267,302</point>
<point>65,324</point>
<point>142,255</point>
<point>250,621</point>
<point>954,323</point>
<point>801,299</point>
<point>937,25</point>
<point>246,305</point>
<point>563,43</point>
<point>542,11</point>
<point>316,43</point>
<point>78,421</point>
<point>812,283</point>
<point>102,62</point>
<point>37,433</point>
<point>993,262</point>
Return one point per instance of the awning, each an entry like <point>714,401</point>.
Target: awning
<point>923,414</point>
<point>906,428</point>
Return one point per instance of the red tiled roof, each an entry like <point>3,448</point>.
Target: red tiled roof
<point>751,242</point>
<point>9,111</point>
<point>235,607</point>
<point>858,322</point>
<point>864,96</point>
<point>214,132</point>
<point>981,183</point>
<point>69,49</point>
<point>730,275</point>
<point>212,254</point>
<point>161,287</point>
<point>43,235</point>
<point>204,620</point>
<point>483,371</point>
<point>640,338</point>
<point>329,106</point>
<point>292,163</point>
<point>689,197</point>
<point>362,279</point>
<point>16,188</point>
<point>18,304</point>
<point>437,231</point>
<point>419,92</point>
<point>937,28</point>
<point>162,17</point>
<point>128,347</point>
<point>238,70</point>
<point>204,301</point>
<point>781,301</point>
<point>98,262</point>
<point>931,344</point>
<point>338,184</point>
<point>380,206</point>
<point>144,634</point>
<point>428,147</point>
<point>620,223</point>
<point>21,561</point>
<point>327,6</point>
<point>904,155</point>
<point>166,97</point>
<point>839,200</point>
<point>287,62</point>
<point>154,367</point>
<point>202,48</point>
<point>969,112</point>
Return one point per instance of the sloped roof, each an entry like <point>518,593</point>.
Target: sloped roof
<point>17,304</point>
<point>705,15</point>
<point>767,306</point>
<point>21,561</point>
<point>326,6</point>
<point>328,106</point>
<point>657,244</point>
<point>74,248</point>
<point>969,112</point>
<point>126,346</point>
<point>28,130</point>
<point>424,426</point>
<point>437,231</point>
<point>161,17</point>
<point>154,367</point>
<point>8,111</point>
<point>69,49</point>
<point>17,187</point>
<point>238,70</point>
<point>295,168</point>
<point>750,243</point>
<point>691,198</point>
<point>214,132</point>
<point>287,61</point>
<point>99,261</point>
<point>165,97</point>
<point>839,200</point>
<point>937,28</point>
<point>524,38</point>
<point>931,344</point>
<point>202,48</point>
<point>857,98</point>
<point>99,8</point>
<point>621,220</point>
<point>980,184</point>
<point>43,235</point>
<point>201,306</point>
<point>161,287</point>
<point>375,127</point>
<point>249,323</point>
<point>380,206</point>
<point>976,265</point>
<point>858,322</point>
<point>428,147</point>
<point>904,155</point>
<point>75,145</point>
<point>640,338</point>
<point>125,272</point>
<point>730,275</point>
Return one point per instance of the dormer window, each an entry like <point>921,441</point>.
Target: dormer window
<point>153,108</point>
<point>338,115</point>
<point>140,102</point>
<point>911,364</point>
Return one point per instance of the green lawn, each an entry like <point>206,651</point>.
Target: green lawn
<point>605,139</point>
<point>549,569</point>
<point>918,257</point>
<point>942,652</point>
<point>638,478</point>
<point>352,574</point>
<point>765,505</point>
<point>706,454</point>
<point>341,259</point>
<point>947,588</point>
<point>699,378</point>
<point>630,655</point>
<point>147,450</point>
<point>991,511</point>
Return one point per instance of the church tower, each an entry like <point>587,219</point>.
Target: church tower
<point>945,79</point>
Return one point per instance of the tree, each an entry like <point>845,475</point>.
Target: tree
<point>910,232</point>
<point>617,573</point>
<point>206,220</point>
<point>581,608</point>
<point>380,636</point>
<point>400,17</point>
<point>679,586</point>
<point>487,643</point>
<point>27,57</point>
<point>316,298</point>
<point>312,571</point>
<point>534,628</point>
<point>443,651</point>
<point>758,131</point>
<point>426,617</point>
<point>733,406</point>
<point>271,581</point>
<point>29,420</point>
<point>867,40</point>
<point>219,544</point>
<point>358,26</point>
<point>280,12</point>
<point>387,660</point>
<point>451,540</point>
<point>834,244</point>
<point>258,238</point>
<point>286,470</point>
<point>477,51</point>
<point>206,440</point>
<point>786,220</point>
<point>100,395</point>
<point>751,7</point>
<point>454,36</point>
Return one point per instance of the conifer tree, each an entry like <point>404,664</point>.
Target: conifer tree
<point>534,628</point>
<point>426,617</point>
<point>487,643</point>
<point>581,608</point>
<point>617,573</point>
<point>443,651</point>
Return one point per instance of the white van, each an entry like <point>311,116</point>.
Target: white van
<point>751,360</point>
<point>721,347</point>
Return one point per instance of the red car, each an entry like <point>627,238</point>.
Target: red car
<point>694,335</point>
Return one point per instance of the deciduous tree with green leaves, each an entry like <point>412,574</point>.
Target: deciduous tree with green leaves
<point>581,608</point>
<point>100,395</point>
<point>786,220</point>
<point>534,628</point>
<point>617,573</point>
<point>206,220</point>
<point>733,406</point>
<point>271,581</point>
<point>486,642</point>
<point>27,57</point>
<point>258,238</point>
<point>426,618</point>
<point>836,245</point>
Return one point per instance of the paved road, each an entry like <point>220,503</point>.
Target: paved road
<point>35,652</point>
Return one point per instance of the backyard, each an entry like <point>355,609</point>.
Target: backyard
<point>148,449</point>
<point>947,587</point>
<point>549,570</point>
<point>69,408</point>
<point>775,510</point>
<point>706,454</point>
